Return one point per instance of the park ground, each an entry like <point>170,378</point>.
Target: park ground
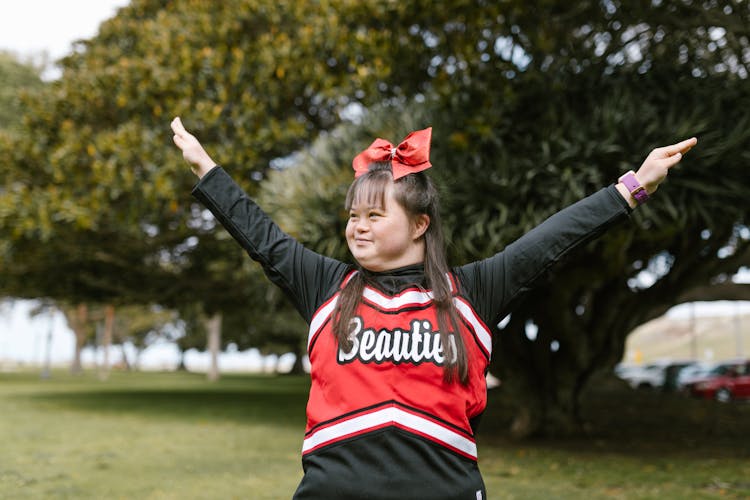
<point>178,436</point>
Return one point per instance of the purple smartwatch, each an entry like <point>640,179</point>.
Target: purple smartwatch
<point>636,189</point>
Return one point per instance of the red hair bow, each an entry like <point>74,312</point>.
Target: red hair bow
<point>409,157</point>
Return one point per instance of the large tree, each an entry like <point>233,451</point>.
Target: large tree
<point>567,118</point>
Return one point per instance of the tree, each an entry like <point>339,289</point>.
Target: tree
<point>559,126</point>
<point>270,324</point>
<point>141,326</point>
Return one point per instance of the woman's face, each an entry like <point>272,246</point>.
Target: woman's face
<point>385,237</point>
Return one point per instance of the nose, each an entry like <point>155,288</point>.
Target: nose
<point>361,225</point>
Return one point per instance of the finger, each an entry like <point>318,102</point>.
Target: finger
<point>681,147</point>
<point>177,126</point>
<point>179,141</point>
<point>670,161</point>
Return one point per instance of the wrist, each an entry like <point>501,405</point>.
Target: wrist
<point>626,195</point>
<point>204,166</point>
<point>632,189</point>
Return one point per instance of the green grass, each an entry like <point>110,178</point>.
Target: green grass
<point>150,436</point>
<point>177,436</point>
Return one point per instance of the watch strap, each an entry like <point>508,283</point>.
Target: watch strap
<point>635,188</point>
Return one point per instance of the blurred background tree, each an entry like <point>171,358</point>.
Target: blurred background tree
<point>16,78</point>
<point>534,104</point>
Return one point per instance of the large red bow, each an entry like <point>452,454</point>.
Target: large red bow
<point>409,157</point>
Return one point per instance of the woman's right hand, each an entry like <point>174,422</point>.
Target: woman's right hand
<point>192,151</point>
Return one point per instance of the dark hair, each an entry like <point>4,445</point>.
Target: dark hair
<point>417,195</point>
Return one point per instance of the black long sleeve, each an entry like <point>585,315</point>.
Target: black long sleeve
<point>494,284</point>
<point>306,277</point>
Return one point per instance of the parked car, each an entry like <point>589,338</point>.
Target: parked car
<point>672,373</point>
<point>693,373</point>
<point>657,375</point>
<point>727,382</point>
<point>647,376</point>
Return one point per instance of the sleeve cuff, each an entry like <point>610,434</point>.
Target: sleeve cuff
<point>206,178</point>
<point>614,192</point>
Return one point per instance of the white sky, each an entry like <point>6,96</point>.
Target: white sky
<point>30,27</point>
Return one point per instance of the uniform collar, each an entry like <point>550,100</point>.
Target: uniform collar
<point>394,281</point>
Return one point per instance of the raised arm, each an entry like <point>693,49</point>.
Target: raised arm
<point>306,277</point>
<point>495,283</point>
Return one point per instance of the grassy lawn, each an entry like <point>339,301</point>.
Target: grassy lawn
<point>177,436</point>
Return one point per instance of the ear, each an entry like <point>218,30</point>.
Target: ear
<point>421,223</point>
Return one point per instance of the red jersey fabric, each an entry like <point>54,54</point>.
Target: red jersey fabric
<point>393,375</point>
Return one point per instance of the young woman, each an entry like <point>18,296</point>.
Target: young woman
<point>399,344</point>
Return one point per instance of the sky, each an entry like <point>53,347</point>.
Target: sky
<point>30,28</point>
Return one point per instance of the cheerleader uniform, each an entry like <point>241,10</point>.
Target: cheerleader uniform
<point>381,421</point>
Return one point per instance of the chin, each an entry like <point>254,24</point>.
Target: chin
<point>368,266</point>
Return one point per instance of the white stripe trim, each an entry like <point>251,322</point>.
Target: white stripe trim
<point>482,334</point>
<point>407,298</point>
<point>320,318</point>
<point>391,415</point>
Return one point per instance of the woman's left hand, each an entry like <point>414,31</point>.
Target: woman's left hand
<point>656,166</point>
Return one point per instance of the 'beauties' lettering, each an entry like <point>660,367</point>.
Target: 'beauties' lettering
<point>420,344</point>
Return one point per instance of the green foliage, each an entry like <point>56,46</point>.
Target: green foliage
<point>142,325</point>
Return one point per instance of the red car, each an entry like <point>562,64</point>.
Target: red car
<point>726,382</point>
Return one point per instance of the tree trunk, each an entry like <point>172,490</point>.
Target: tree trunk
<point>137,358</point>
<point>213,327</point>
<point>540,371</point>
<point>125,360</point>
<point>46,370</point>
<point>181,365</point>
<point>109,321</point>
<point>298,368</point>
<point>77,321</point>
